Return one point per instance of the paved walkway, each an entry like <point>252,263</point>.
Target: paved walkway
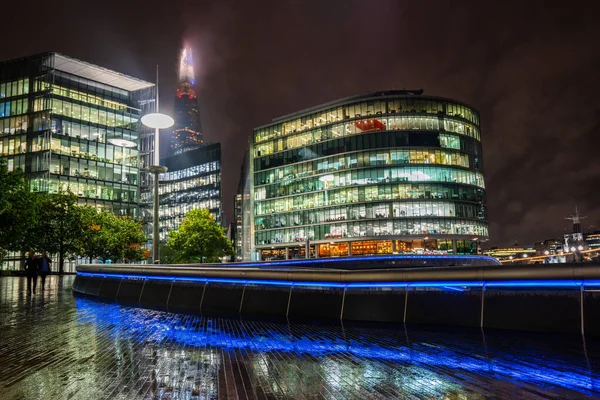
<point>57,346</point>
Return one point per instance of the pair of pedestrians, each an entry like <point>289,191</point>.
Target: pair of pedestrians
<point>34,266</point>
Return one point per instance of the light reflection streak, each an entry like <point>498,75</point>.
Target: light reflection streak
<point>171,329</point>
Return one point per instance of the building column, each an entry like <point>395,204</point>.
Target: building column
<point>349,248</point>
<point>394,249</point>
<point>453,247</point>
<point>287,253</point>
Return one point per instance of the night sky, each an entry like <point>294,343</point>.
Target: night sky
<point>532,69</point>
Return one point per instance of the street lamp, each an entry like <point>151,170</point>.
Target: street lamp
<point>157,121</point>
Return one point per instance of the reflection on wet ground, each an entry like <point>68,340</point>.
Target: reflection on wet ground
<point>55,345</point>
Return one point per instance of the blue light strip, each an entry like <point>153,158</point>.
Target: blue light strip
<point>337,260</point>
<point>453,285</point>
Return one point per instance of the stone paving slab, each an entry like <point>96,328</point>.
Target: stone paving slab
<point>55,345</point>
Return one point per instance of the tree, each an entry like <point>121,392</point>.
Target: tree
<point>200,238</point>
<point>168,255</point>
<point>61,226</point>
<point>112,237</point>
<point>95,236</point>
<point>18,212</point>
<point>130,239</point>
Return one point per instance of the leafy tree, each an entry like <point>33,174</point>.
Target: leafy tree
<point>131,238</point>
<point>18,212</point>
<point>168,255</point>
<point>200,238</point>
<point>61,226</point>
<point>95,237</point>
<point>111,237</point>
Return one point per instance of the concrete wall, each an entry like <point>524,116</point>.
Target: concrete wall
<point>554,309</point>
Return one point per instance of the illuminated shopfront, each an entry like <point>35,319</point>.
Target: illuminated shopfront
<point>383,173</point>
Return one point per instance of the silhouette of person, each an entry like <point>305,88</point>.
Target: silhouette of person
<point>31,270</point>
<point>44,266</point>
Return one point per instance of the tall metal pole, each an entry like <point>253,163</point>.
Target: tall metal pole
<point>157,121</point>
<point>155,222</point>
<point>156,130</point>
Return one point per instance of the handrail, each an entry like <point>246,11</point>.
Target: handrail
<point>576,273</point>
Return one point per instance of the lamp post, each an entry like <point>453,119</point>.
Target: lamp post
<point>157,121</point>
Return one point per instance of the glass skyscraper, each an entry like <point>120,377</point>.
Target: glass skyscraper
<point>193,179</point>
<point>59,121</point>
<point>69,124</point>
<point>382,173</point>
<point>187,133</point>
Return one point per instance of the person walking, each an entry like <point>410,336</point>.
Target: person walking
<point>45,269</point>
<point>31,270</point>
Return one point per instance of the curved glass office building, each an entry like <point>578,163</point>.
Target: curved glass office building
<point>382,173</point>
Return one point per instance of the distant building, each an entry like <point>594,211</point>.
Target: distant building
<point>193,180</point>
<point>510,253</point>
<point>592,240</point>
<point>548,247</point>
<point>237,226</point>
<point>69,124</point>
<point>187,133</point>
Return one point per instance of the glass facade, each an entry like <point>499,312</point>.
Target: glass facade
<point>58,120</point>
<point>193,180</point>
<point>187,134</point>
<point>389,172</point>
<point>238,227</point>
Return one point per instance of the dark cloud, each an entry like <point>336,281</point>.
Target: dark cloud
<point>531,68</point>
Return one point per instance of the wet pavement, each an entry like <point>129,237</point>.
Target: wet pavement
<point>55,345</point>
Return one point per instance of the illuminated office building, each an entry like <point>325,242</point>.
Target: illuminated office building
<point>69,124</point>
<point>193,180</point>
<point>382,173</point>
<point>187,133</point>
<point>73,125</point>
<point>510,253</point>
<point>237,226</point>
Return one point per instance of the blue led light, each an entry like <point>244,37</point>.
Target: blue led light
<point>454,288</point>
<point>424,284</point>
<point>370,258</point>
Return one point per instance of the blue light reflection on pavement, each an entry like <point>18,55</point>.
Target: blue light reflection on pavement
<point>431,358</point>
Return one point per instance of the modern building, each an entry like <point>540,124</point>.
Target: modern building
<point>187,134</point>
<point>69,124</point>
<point>548,247</point>
<point>510,253</point>
<point>592,240</point>
<point>382,173</point>
<point>193,177</point>
<point>237,226</point>
<point>193,180</point>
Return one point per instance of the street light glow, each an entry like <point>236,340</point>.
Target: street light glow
<point>121,142</point>
<point>158,121</point>
<point>326,178</point>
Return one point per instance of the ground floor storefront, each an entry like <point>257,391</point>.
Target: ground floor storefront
<point>369,247</point>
